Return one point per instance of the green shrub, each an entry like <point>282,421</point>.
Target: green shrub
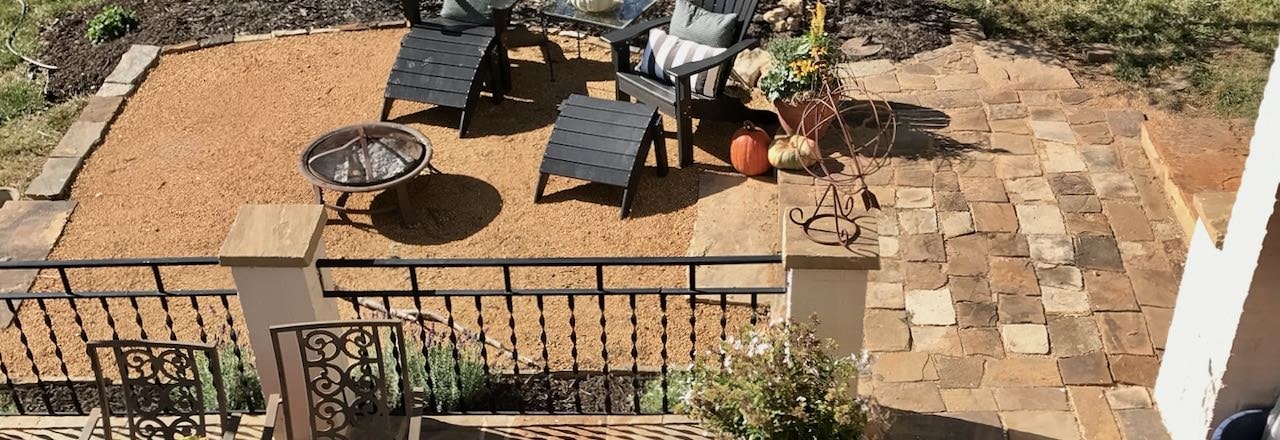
<point>19,97</point>
<point>438,362</point>
<point>244,391</point>
<point>777,382</point>
<point>113,22</point>
<point>651,394</point>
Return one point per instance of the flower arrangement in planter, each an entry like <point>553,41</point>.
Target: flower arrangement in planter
<point>778,382</point>
<point>802,65</point>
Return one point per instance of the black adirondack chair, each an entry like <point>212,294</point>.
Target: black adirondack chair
<point>678,100</point>
<point>447,62</point>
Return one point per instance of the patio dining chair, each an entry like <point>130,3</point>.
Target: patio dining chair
<point>164,392</point>
<point>344,370</point>
<point>693,89</point>
<point>446,60</point>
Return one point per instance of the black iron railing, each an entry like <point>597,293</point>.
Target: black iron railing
<point>43,357</point>
<point>571,343</point>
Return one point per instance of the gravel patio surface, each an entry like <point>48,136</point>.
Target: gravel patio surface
<point>215,129</point>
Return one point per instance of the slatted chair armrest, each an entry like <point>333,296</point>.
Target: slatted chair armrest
<point>273,412</point>
<point>415,428</point>
<point>625,35</point>
<point>690,69</point>
<point>231,426</point>
<point>91,424</point>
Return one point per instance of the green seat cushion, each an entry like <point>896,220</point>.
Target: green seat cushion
<point>692,23</point>
<point>470,11</point>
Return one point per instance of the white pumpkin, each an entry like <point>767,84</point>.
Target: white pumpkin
<point>592,5</point>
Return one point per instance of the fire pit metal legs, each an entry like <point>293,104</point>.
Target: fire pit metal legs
<point>340,205</point>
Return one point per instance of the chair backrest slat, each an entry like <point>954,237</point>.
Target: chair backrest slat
<point>345,369</point>
<point>161,385</point>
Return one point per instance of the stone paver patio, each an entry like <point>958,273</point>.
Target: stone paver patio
<point>1030,259</point>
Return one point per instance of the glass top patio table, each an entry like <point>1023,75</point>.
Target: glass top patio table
<point>623,14</point>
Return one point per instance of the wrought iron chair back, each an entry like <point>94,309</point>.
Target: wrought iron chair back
<point>345,369</point>
<point>162,388</point>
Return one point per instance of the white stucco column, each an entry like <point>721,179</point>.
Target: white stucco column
<point>1223,351</point>
<point>271,251</point>
<point>827,281</point>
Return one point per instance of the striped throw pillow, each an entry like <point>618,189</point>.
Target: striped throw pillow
<point>664,52</point>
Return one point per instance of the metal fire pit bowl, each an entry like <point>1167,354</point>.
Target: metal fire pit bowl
<point>363,158</point>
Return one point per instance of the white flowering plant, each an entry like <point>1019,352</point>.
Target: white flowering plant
<point>778,382</point>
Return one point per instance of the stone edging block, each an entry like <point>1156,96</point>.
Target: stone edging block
<point>80,140</point>
<point>55,179</point>
<point>134,64</point>
<point>288,32</point>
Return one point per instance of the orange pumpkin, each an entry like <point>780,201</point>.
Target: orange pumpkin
<point>749,151</point>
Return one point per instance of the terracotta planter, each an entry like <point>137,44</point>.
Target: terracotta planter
<point>794,121</point>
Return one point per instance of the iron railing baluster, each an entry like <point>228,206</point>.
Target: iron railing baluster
<point>457,359</point>
<point>511,324</point>
<point>546,355</point>
<point>573,352</point>
<point>484,354</point>
<point>84,335</point>
<point>662,304</point>
<point>635,357</point>
<point>422,338</point>
<point>164,302</point>
<point>31,357</point>
<point>13,390</point>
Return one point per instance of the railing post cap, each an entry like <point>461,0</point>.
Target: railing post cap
<point>799,252</point>
<point>274,236</point>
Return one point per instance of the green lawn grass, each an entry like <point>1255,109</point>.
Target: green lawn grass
<point>29,126</point>
<point>1223,46</point>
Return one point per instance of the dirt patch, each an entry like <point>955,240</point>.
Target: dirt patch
<point>215,129</point>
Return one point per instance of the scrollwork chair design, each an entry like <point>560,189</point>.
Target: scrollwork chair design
<point>345,366</point>
<point>162,389</point>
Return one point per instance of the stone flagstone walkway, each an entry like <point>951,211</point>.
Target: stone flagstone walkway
<point>1030,258</point>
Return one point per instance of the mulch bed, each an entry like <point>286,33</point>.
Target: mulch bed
<point>904,27</point>
<point>83,65</point>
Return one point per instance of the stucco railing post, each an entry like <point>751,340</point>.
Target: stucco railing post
<point>827,281</point>
<point>272,252</point>
<point>1222,351</point>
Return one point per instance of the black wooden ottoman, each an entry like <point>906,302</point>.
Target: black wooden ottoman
<point>603,141</point>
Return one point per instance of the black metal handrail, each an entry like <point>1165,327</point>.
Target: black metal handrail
<point>41,385</point>
<point>464,317</point>
<point>550,262</point>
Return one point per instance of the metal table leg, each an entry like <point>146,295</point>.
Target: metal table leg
<point>546,49</point>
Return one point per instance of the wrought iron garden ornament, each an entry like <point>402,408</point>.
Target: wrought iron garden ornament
<point>865,126</point>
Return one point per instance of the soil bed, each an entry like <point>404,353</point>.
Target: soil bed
<point>904,27</point>
<point>83,65</point>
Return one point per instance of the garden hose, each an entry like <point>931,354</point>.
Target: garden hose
<point>8,44</point>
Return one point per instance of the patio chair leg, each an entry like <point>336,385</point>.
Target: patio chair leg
<point>684,139</point>
<point>464,123</point>
<point>498,81</point>
<point>618,95</point>
<point>659,139</point>
<point>627,195</point>
<point>386,109</point>
<point>541,186</point>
